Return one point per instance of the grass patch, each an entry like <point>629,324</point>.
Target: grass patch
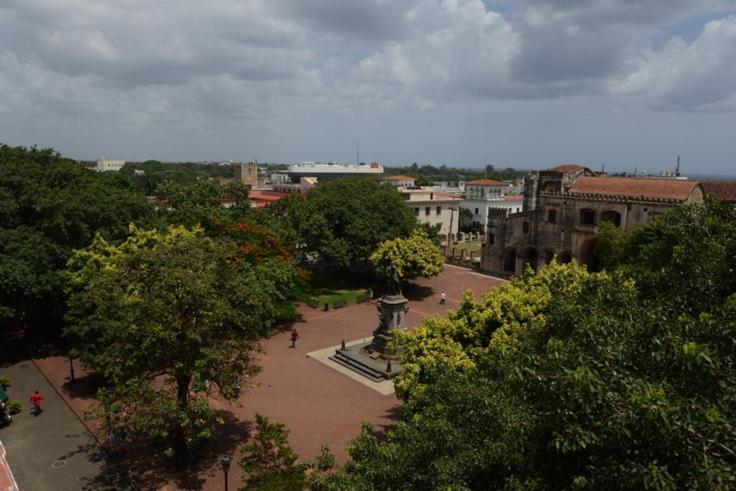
<point>336,289</point>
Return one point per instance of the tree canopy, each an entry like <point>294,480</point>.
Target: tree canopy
<point>343,220</point>
<point>167,317</point>
<point>576,380</point>
<point>413,256</point>
<point>49,206</point>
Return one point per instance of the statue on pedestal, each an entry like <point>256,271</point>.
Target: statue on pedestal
<point>391,312</point>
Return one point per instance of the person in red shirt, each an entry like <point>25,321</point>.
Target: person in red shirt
<point>294,337</point>
<point>36,399</point>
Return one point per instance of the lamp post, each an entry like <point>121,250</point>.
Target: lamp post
<point>71,369</point>
<point>225,462</point>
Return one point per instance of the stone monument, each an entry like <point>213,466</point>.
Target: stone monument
<point>391,313</point>
<point>377,359</point>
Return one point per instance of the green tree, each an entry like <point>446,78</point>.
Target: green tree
<point>49,206</point>
<point>341,220</point>
<point>414,256</point>
<point>167,317</point>
<point>269,461</point>
<point>192,203</point>
<point>567,379</point>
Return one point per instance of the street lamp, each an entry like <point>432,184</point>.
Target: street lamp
<point>225,462</point>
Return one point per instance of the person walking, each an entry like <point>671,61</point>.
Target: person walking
<point>443,297</point>
<point>36,399</point>
<point>294,337</point>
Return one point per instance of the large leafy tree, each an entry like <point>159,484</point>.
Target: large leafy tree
<point>570,379</point>
<point>413,256</point>
<point>49,206</point>
<point>343,220</point>
<point>168,317</point>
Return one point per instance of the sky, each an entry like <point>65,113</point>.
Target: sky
<point>520,83</point>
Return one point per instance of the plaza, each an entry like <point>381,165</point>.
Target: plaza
<point>317,403</point>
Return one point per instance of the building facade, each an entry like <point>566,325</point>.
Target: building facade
<point>104,165</point>
<point>400,181</point>
<point>434,208</point>
<point>332,171</point>
<point>562,210</point>
<point>481,196</point>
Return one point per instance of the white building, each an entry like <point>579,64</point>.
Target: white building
<point>104,165</point>
<point>483,194</point>
<point>331,171</point>
<point>434,208</point>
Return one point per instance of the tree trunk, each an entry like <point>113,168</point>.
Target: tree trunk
<point>182,405</point>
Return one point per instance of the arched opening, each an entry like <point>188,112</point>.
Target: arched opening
<point>549,255</point>
<point>612,217</point>
<point>531,259</point>
<point>587,217</point>
<point>586,251</point>
<point>564,257</point>
<point>509,261</point>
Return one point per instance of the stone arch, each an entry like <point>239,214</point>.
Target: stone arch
<point>549,255</point>
<point>531,257</point>
<point>612,217</point>
<point>564,257</point>
<point>509,261</point>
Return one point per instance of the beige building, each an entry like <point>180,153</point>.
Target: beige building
<point>563,208</point>
<point>434,208</point>
<point>400,181</point>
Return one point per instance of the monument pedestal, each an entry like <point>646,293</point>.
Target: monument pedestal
<point>378,360</point>
<point>392,313</point>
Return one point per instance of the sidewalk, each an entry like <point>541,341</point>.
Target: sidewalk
<point>52,451</point>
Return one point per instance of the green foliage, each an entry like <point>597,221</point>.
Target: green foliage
<point>48,207</point>
<point>565,379</point>
<point>341,220</point>
<point>414,256</point>
<point>15,407</point>
<point>269,461</point>
<point>192,203</point>
<point>686,257</point>
<point>606,248</point>
<point>5,381</point>
<point>167,317</point>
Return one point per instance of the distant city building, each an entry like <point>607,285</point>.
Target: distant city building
<point>400,181</point>
<point>332,171</point>
<point>563,208</point>
<point>104,165</point>
<point>434,208</point>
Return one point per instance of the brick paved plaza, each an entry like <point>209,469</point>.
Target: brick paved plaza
<point>317,403</point>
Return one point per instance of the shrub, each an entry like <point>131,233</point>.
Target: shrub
<point>5,381</point>
<point>15,407</point>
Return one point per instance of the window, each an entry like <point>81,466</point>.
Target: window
<point>526,227</point>
<point>491,238</point>
<point>552,216</point>
<point>476,211</point>
<point>438,211</point>
<point>416,211</point>
<point>426,211</point>
<point>587,216</point>
<point>612,217</point>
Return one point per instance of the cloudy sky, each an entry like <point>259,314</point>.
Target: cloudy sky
<point>525,83</point>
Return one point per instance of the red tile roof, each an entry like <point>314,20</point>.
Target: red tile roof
<point>514,197</point>
<point>486,182</point>
<point>400,178</point>
<point>263,197</point>
<point>635,187</point>
<point>723,190</point>
<point>568,168</point>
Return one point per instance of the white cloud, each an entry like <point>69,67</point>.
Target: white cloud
<point>681,75</point>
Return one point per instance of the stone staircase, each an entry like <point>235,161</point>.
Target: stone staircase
<point>361,363</point>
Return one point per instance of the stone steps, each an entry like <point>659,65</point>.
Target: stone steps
<point>372,372</point>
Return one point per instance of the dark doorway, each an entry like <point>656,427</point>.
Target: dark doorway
<point>509,261</point>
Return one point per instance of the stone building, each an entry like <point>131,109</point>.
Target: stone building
<point>247,173</point>
<point>562,210</point>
